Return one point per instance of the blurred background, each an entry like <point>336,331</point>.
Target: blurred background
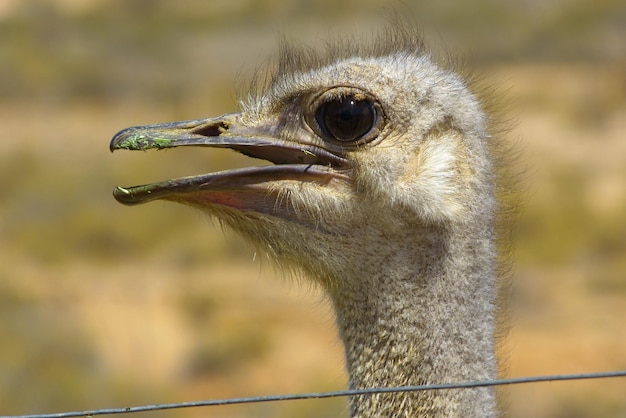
<point>103,305</point>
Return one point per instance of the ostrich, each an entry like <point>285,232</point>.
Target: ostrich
<point>382,191</point>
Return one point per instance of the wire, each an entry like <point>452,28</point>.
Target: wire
<point>321,395</point>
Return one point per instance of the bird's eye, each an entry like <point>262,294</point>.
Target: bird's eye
<point>346,119</point>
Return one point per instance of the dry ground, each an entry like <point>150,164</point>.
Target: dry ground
<point>103,305</point>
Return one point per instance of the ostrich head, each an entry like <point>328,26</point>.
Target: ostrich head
<point>365,144</point>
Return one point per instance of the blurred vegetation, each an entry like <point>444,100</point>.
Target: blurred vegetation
<point>96,49</point>
<point>78,272</point>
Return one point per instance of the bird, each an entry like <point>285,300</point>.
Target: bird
<point>383,191</point>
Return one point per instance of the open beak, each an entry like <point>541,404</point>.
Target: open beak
<point>252,188</point>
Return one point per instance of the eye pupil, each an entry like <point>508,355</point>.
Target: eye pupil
<point>346,119</point>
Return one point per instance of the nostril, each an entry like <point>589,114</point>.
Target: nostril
<point>213,129</point>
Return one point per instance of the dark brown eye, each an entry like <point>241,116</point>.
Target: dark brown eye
<point>346,119</point>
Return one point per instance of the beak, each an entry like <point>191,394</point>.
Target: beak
<point>251,188</point>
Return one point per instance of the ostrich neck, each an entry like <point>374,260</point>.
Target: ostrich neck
<point>425,316</point>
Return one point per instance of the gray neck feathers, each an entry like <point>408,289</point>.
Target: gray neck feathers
<point>425,316</point>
